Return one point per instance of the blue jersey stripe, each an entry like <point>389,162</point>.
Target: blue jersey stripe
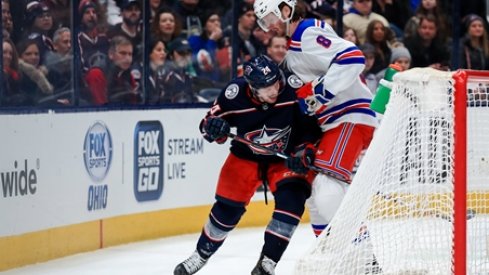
<point>362,111</point>
<point>295,49</point>
<point>306,23</point>
<point>347,104</point>
<point>350,49</point>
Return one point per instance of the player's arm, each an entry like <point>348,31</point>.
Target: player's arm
<point>214,126</point>
<point>346,67</point>
<point>346,64</point>
<point>304,154</point>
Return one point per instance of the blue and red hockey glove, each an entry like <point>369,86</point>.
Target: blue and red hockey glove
<point>216,129</point>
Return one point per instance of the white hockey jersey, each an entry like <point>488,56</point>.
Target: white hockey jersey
<point>315,50</point>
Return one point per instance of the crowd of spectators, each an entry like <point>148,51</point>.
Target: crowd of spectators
<point>414,33</point>
<point>190,45</point>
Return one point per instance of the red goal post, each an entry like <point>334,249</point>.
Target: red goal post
<point>419,203</point>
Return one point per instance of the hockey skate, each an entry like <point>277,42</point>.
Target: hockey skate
<point>191,265</point>
<point>264,266</point>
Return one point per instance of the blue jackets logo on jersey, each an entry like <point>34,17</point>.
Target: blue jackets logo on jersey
<point>148,160</point>
<point>97,151</point>
<point>275,139</point>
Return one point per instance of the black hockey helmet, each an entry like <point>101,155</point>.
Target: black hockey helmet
<point>261,72</point>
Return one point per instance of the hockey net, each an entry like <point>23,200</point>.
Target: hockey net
<point>419,202</point>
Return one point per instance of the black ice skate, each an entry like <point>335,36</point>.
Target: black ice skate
<point>191,265</point>
<point>264,266</point>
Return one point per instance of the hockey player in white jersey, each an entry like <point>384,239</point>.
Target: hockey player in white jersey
<point>334,94</point>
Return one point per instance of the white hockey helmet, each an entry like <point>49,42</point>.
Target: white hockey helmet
<point>268,12</point>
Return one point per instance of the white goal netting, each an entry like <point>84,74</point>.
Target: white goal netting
<point>397,217</point>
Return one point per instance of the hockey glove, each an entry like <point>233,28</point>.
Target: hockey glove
<point>216,129</point>
<point>302,159</point>
<point>311,98</point>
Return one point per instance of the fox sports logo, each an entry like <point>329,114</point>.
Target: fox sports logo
<point>97,151</point>
<point>148,160</point>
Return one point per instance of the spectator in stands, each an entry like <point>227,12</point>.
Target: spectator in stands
<point>204,46</point>
<point>359,16</point>
<point>117,85</point>
<point>426,7</point>
<point>379,36</point>
<point>402,57</point>
<point>190,12</point>
<point>228,18</point>
<point>351,35</point>
<point>157,61</point>
<point>368,77</point>
<point>130,27</point>
<point>7,22</point>
<point>322,10</point>
<point>277,48</point>
<point>167,26</point>
<point>247,43</point>
<point>59,62</point>
<point>426,48</point>
<point>475,44</point>
<point>12,95</point>
<point>155,6</point>
<point>38,27</point>
<point>397,13</point>
<point>467,7</point>
<point>177,85</point>
<point>93,42</point>
<point>17,11</point>
<point>62,41</point>
<point>108,14</point>
<point>34,82</point>
<point>60,11</point>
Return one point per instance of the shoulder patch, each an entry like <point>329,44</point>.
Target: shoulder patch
<point>294,81</point>
<point>231,91</point>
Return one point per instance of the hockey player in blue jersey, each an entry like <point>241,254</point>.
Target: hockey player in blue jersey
<point>334,93</point>
<point>262,106</point>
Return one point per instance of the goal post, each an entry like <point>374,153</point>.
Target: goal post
<point>419,202</point>
<point>459,246</point>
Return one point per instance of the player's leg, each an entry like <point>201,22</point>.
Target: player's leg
<point>234,191</point>
<point>290,195</point>
<point>326,197</point>
<point>337,153</point>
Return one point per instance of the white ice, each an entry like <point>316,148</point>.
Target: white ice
<point>237,256</point>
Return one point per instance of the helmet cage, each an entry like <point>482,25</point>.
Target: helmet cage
<point>268,12</point>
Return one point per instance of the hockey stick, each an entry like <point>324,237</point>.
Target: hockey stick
<point>274,152</point>
<point>257,145</point>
